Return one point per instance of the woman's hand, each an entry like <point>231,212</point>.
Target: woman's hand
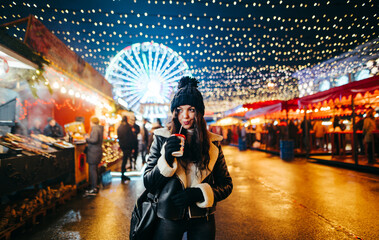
<point>172,145</point>
<point>187,197</point>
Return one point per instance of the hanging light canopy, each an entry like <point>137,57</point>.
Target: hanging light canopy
<point>235,48</point>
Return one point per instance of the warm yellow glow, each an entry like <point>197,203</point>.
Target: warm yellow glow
<point>255,121</point>
<point>228,121</point>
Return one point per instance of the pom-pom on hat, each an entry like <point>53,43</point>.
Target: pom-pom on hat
<point>188,94</point>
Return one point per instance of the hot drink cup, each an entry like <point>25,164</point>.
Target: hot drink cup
<point>182,141</point>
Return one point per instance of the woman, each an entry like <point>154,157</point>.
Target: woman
<point>94,153</point>
<point>190,186</point>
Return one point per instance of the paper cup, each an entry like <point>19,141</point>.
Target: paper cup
<point>182,141</point>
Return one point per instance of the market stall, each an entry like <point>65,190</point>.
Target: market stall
<point>228,128</point>
<point>273,121</point>
<point>349,103</point>
<point>53,82</point>
<point>42,78</point>
<point>25,160</point>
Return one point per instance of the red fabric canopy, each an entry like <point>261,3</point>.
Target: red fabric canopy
<point>275,107</point>
<point>264,110</point>
<point>353,88</point>
<point>260,104</point>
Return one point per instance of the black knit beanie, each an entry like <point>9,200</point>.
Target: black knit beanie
<point>188,94</point>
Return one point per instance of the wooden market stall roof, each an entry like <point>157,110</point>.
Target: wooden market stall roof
<point>51,48</point>
<point>18,50</point>
<point>345,91</point>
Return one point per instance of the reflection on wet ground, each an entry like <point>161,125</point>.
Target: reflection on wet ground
<point>272,199</point>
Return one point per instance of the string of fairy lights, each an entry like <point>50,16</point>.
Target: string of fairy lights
<point>241,51</point>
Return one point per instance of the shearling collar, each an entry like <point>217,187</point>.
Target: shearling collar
<point>213,154</point>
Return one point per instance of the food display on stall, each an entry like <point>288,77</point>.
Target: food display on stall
<point>62,144</point>
<point>111,152</point>
<point>26,144</point>
<point>43,138</point>
<point>77,131</point>
<point>52,141</point>
<point>35,144</point>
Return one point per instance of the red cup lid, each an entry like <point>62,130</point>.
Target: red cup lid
<point>179,135</point>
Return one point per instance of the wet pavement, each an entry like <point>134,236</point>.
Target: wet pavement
<point>271,199</point>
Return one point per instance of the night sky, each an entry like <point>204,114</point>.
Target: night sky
<point>235,48</point>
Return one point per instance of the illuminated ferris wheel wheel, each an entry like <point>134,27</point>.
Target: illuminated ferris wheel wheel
<point>144,75</point>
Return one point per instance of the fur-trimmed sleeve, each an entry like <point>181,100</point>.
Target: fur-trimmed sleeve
<point>207,191</point>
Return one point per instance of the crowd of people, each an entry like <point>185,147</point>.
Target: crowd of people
<point>319,134</point>
<point>134,140</point>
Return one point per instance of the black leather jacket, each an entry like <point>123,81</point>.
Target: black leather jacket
<point>160,178</point>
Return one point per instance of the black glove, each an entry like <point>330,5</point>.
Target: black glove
<point>187,197</point>
<point>172,145</point>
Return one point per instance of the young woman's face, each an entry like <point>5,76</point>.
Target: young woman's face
<point>186,116</point>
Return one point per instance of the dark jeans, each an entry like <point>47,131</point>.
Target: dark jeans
<point>196,228</point>
<point>125,159</point>
<point>92,168</point>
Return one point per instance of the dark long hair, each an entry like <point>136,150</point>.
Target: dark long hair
<point>199,145</point>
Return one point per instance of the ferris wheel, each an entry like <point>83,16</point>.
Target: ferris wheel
<point>144,75</point>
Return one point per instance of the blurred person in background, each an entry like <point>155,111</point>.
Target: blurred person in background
<point>144,140</point>
<point>94,153</point>
<point>53,129</point>
<point>368,137</point>
<point>36,128</point>
<point>258,133</point>
<point>271,131</point>
<point>229,136</point>
<point>156,125</point>
<point>359,127</point>
<point>135,130</point>
<point>125,139</point>
<point>242,137</point>
<point>337,128</point>
<point>292,133</point>
<point>282,130</point>
<point>306,125</point>
<point>320,131</point>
